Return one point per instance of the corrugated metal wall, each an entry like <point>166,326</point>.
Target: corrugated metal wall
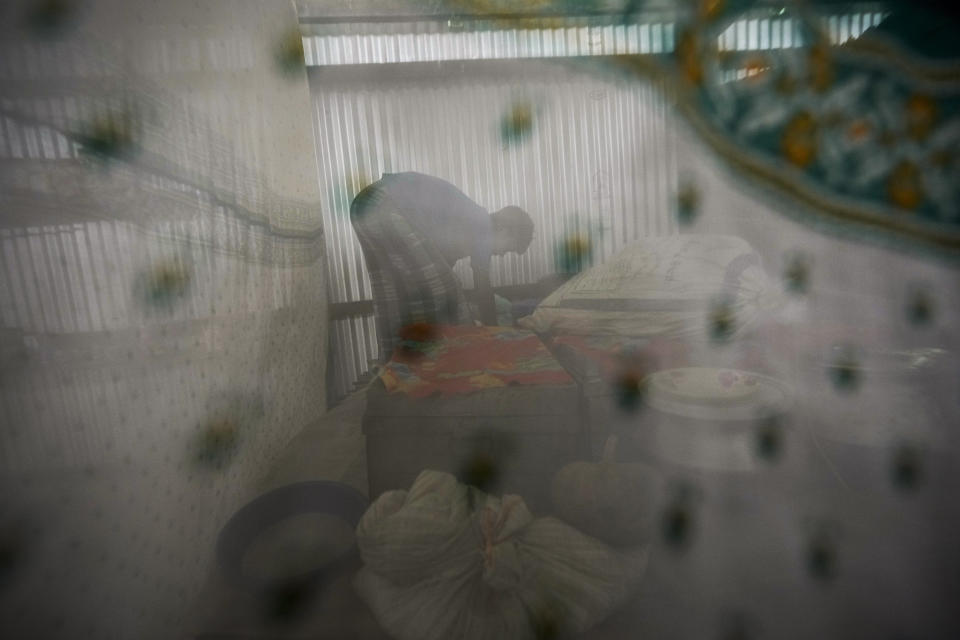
<point>432,41</point>
<point>600,154</point>
<point>760,29</point>
<point>601,157</point>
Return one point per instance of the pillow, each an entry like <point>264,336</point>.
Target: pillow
<point>660,286</point>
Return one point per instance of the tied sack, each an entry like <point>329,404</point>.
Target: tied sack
<point>444,560</point>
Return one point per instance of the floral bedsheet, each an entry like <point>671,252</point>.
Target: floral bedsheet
<point>452,360</point>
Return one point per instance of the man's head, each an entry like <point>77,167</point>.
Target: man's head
<point>512,230</point>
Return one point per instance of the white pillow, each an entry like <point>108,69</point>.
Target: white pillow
<point>659,286</point>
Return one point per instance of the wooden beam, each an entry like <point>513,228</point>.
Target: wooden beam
<point>338,310</point>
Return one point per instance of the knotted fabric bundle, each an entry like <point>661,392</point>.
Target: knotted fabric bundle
<point>444,560</point>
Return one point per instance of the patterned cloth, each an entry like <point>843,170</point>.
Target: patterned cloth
<point>411,280</point>
<point>456,360</point>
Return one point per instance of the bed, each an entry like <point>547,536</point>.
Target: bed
<point>527,400</point>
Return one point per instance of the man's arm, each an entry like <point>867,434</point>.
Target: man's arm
<point>485,300</point>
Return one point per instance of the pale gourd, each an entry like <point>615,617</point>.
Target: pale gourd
<point>614,502</point>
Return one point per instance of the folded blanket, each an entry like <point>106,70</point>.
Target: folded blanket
<point>451,360</point>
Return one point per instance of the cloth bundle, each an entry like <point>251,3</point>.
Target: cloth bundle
<point>444,560</point>
<point>659,287</point>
